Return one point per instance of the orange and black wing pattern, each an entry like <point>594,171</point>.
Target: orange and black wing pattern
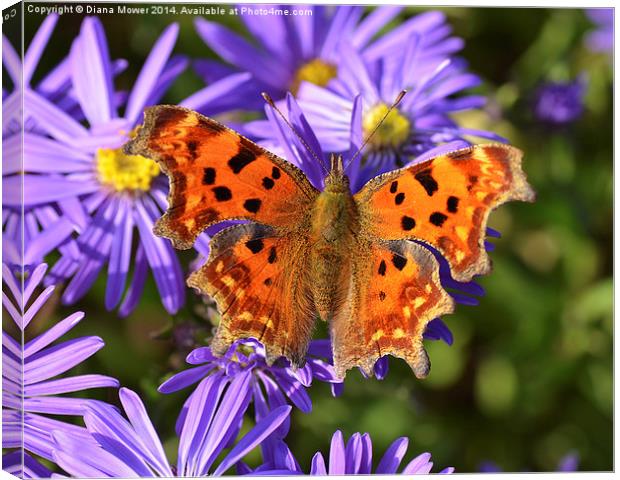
<point>445,202</point>
<point>216,175</point>
<point>395,292</point>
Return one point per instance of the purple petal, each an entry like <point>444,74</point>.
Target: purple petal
<point>254,437</point>
<point>58,330</point>
<point>161,259</point>
<point>37,45</point>
<point>70,384</point>
<point>92,72</point>
<point>294,390</point>
<point>52,119</point>
<point>134,292</point>
<point>184,379</point>
<point>374,22</point>
<point>337,460</point>
<point>12,62</point>
<point>87,461</point>
<point>234,404</point>
<point>151,72</point>
<point>201,407</point>
<point>393,456</point>
<point>60,358</point>
<point>120,257</point>
<point>419,465</point>
<point>137,415</point>
<point>318,465</point>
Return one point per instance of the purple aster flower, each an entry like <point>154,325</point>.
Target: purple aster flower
<point>287,51</point>
<point>355,458</point>
<point>111,198</point>
<point>601,39</point>
<point>559,103</point>
<point>420,122</point>
<point>130,447</point>
<point>269,387</point>
<point>22,465</point>
<point>31,390</point>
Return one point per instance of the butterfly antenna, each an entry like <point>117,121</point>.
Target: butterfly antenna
<point>272,104</point>
<point>374,130</point>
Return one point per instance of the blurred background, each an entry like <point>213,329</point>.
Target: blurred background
<point>529,376</point>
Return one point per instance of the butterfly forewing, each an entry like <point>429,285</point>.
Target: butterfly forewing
<point>445,202</point>
<point>216,175</point>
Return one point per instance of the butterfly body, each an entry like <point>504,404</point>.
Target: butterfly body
<point>355,260</point>
<point>335,227</point>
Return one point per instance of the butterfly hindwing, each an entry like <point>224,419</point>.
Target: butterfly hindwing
<point>395,292</point>
<point>445,202</point>
<point>258,280</point>
<point>216,175</point>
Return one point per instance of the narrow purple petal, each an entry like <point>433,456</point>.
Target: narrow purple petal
<point>419,465</point>
<point>60,358</point>
<point>318,465</point>
<point>120,257</point>
<point>184,379</point>
<point>254,437</point>
<point>92,72</point>
<point>12,62</point>
<point>70,384</point>
<point>37,45</point>
<point>151,72</point>
<point>337,460</point>
<point>52,119</point>
<point>393,456</point>
<point>137,415</point>
<point>54,333</point>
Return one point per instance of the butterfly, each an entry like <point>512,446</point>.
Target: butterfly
<point>357,260</point>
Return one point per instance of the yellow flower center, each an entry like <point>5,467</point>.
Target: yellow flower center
<point>392,133</point>
<point>125,172</point>
<point>315,71</point>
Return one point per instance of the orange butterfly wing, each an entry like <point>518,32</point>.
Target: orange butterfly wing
<point>216,175</point>
<point>258,280</point>
<point>394,293</point>
<point>255,272</point>
<point>445,202</point>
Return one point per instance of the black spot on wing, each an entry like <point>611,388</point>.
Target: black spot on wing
<point>453,204</point>
<point>208,176</point>
<point>255,245</point>
<point>382,295</point>
<point>437,219</point>
<point>252,205</point>
<point>268,183</point>
<point>268,281</point>
<point>399,198</point>
<point>382,268</point>
<point>394,187</point>
<point>407,223</point>
<point>427,181</point>
<point>222,194</point>
<point>272,255</point>
<point>275,173</point>
<point>241,160</point>
<point>398,261</point>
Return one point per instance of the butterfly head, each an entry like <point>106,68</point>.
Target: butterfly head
<point>336,180</point>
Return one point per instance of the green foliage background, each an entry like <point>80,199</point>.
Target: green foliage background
<point>529,377</point>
